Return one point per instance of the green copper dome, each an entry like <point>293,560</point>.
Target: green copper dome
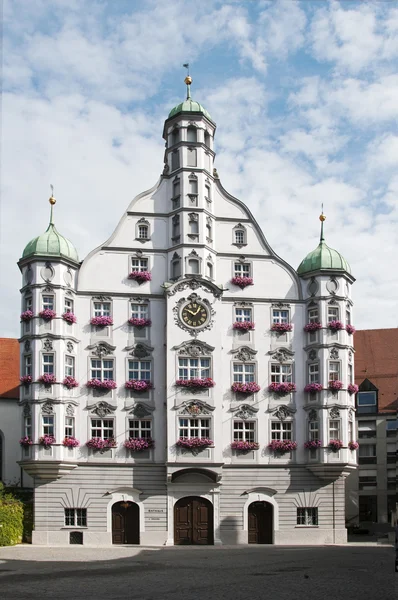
<point>51,243</point>
<point>189,105</point>
<point>323,258</point>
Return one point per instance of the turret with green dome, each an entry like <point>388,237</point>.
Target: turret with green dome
<point>51,243</point>
<point>323,258</point>
<point>189,105</point>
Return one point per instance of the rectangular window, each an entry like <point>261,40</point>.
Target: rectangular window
<point>281,373</point>
<point>313,373</point>
<point>244,431</point>
<point>48,424</point>
<point>313,431</point>
<point>48,302</point>
<point>307,516</point>
<point>140,428</point>
<point>241,270</point>
<point>102,428</point>
<point>350,431</point>
<point>194,427</point>
<point>350,374</point>
<point>281,431</point>
<point>139,264</point>
<point>28,365</point>
<point>69,427</point>
<point>366,429</point>
<point>243,314</point>
<point>333,313</point>
<point>102,309</point>
<point>367,482</point>
<point>75,517</point>
<point>280,316</point>
<point>334,371</point>
<point>28,303</point>
<point>207,193</point>
<point>367,450</point>
<point>176,269</point>
<point>69,366</point>
<point>27,426</point>
<point>366,401</point>
<point>139,311</point>
<point>244,372</point>
<point>176,189</point>
<point>176,227</point>
<point>143,232</point>
<point>68,305</point>
<point>48,364</point>
<point>348,317</point>
<point>101,369</point>
<point>313,315</point>
<point>193,368</point>
<point>175,160</point>
<point>239,237</point>
<point>140,369</point>
<point>334,429</point>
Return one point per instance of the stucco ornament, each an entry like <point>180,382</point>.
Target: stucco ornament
<point>184,304</point>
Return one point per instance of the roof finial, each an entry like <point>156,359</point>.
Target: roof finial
<point>52,201</point>
<point>322,218</point>
<point>188,81</point>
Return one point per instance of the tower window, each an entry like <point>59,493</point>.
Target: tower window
<point>191,134</point>
<point>175,160</point>
<point>192,160</point>
<point>193,266</point>
<point>143,232</point>
<point>176,268</point>
<point>207,139</point>
<point>175,136</point>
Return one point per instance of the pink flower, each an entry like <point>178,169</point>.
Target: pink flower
<point>242,282</point>
<point>69,317</point>
<point>313,326</point>
<point>313,444</point>
<point>282,446</point>
<point>350,329</point>
<point>136,322</point>
<point>108,384</point>
<point>47,440</point>
<point>26,379</point>
<point>335,325</point>
<point>313,388</point>
<point>335,386</point>
<point>245,388</point>
<point>47,314</point>
<point>138,385</point>
<point>139,444</point>
<point>282,389</point>
<point>101,321</point>
<point>70,442</point>
<point>335,445</point>
<point>27,315</point>
<point>353,445</point>
<point>192,443</point>
<point>70,382</point>
<point>100,444</point>
<point>352,388</point>
<point>281,327</point>
<point>196,383</point>
<point>47,379</point>
<point>25,441</point>
<point>243,325</point>
<point>140,276</point>
<point>242,446</point>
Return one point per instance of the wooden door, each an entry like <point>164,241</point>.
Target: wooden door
<point>193,522</point>
<point>260,522</point>
<point>125,523</point>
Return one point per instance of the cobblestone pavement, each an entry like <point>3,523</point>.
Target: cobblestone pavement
<point>192,573</point>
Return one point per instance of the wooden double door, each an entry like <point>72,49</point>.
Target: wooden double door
<point>125,523</point>
<point>260,521</point>
<point>193,521</point>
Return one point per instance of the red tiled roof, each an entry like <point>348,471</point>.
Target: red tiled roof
<point>376,359</point>
<point>9,368</point>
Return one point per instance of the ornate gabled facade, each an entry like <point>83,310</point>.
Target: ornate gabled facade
<point>188,382</point>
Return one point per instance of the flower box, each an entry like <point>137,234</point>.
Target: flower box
<point>97,384</point>
<point>282,446</point>
<point>282,389</point>
<point>313,326</point>
<point>140,276</point>
<point>138,385</point>
<point>47,314</point>
<point>196,383</point>
<point>350,329</point>
<point>335,445</point>
<point>245,388</point>
<point>353,445</point>
<point>47,379</point>
<point>243,325</point>
<point>26,316</point>
<point>69,317</point>
<point>335,386</point>
<point>70,382</point>
<point>47,440</point>
<point>313,388</point>
<point>242,282</point>
<point>100,444</point>
<point>194,443</point>
<point>26,379</point>
<point>313,444</point>
<point>25,441</point>
<point>335,325</point>
<point>241,446</point>
<point>139,444</point>
<point>101,321</point>
<point>135,322</point>
<point>70,442</point>
<point>281,327</point>
<point>352,388</point>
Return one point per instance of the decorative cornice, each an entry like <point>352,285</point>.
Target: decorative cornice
<point>282,412</point>
<point>244,411</point>
<point>244,353</point>
<point>193,284</point>
<point>140,350</point>
<point>194,407</point>
<point>101,349</point>
<point>140,409</point>
<point>102,408</point>
<point>282,354</point>
<point>193,348</point>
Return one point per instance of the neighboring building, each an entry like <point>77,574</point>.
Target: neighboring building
<point>372,489</point>
<point>161,305</point>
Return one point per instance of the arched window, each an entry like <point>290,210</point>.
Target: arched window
<point>209,237</point>
<point>239,234</point>
<point>193,224</point>
<point>191,152</point>
<point>175,160</point>
<point>175,266</point>
<point>142,230</point>
<point>193,184</point>
<point>210,269</point>
<point>191,134</point>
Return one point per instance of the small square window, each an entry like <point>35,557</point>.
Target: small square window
<point>307,516</point>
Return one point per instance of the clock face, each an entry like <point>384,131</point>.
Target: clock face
<point>195,314</point>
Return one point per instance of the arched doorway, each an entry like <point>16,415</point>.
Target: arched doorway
<point>193,521</point>
<point>125,523</point>
<point>260,523</point>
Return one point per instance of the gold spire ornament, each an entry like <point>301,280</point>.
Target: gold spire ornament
<point>52,200</point>
<point>322,218</point>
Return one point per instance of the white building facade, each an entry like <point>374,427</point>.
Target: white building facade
<point>198,316</point>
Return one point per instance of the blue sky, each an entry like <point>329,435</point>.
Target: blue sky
<point>305,96</point>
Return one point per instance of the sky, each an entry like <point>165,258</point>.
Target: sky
<point>304,94</point>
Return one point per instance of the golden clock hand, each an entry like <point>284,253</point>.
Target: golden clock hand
<point>195,313</point>
<point>190,312</point>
